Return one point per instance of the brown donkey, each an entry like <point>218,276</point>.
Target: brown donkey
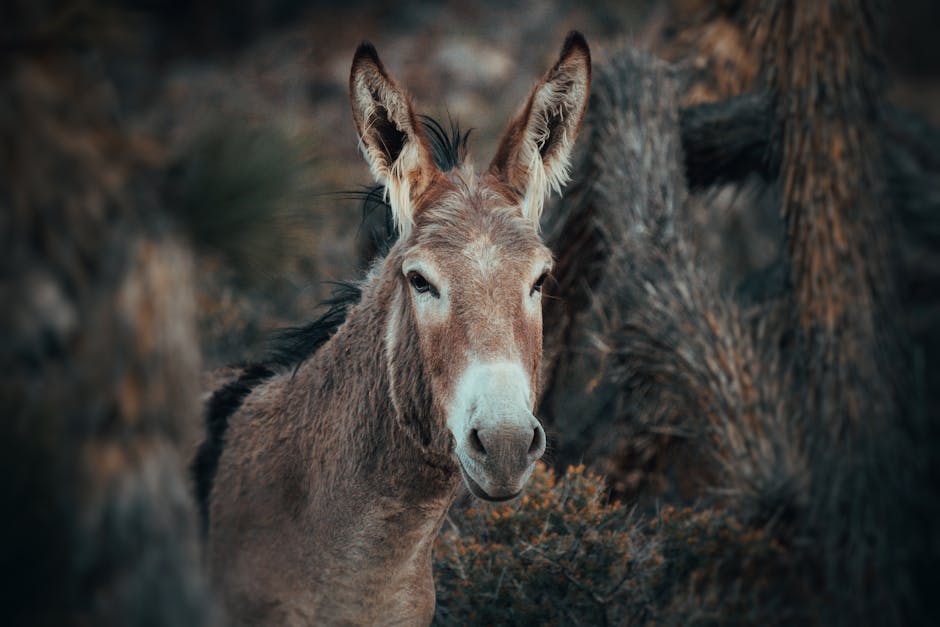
<point>324,501</point>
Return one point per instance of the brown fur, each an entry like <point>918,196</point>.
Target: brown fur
<point>320,485</point>
<point>336,477</point>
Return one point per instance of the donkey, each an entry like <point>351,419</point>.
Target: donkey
<point>328,482</point>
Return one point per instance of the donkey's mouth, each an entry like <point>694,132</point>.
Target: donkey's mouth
<point>479,492</point>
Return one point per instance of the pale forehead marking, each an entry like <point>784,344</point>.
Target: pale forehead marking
<point>484,253</point>
<point>471,190</point>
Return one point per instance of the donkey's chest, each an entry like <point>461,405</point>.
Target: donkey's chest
<point>375,567</point>
<point>376,536</point>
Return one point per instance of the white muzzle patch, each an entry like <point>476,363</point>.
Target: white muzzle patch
<point>498,440</point>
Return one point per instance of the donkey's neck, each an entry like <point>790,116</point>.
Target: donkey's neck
<point>372,486</point>
<point>331,499</point>
<point>356,437</point>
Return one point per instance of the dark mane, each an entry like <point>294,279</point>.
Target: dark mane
<point>224,402</point>
<point>288,348</point>
<point>291,346</point>
<point>448,150</point>
<point>448,146</point>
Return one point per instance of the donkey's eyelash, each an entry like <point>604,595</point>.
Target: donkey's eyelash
<point>422,285</point>
<point>539,282</point>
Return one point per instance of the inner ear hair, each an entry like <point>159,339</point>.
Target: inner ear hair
<point>556,129</point>
<point>388,134</point>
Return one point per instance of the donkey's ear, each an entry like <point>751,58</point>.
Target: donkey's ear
<point>391,138</point>
<point>534,155</point>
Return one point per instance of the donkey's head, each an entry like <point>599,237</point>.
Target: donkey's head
<point>469,267</point>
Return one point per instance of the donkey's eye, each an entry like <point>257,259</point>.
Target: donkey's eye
<point>537,286</point>
<point>421,285</point>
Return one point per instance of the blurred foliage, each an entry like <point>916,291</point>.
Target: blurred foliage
<point>565,554</point>
<point>560,554</point>
<point>241,190</point>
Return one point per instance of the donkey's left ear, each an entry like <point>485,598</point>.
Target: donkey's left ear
<point>534,155</point>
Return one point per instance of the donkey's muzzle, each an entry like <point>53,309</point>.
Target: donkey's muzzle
<point>498,439</point>
<point>498,456</point>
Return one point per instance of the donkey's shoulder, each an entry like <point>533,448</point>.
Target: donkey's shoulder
<point>231,386</point>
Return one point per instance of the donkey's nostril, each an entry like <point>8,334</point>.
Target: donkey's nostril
<point>538,442</point>
<point>476,443</point>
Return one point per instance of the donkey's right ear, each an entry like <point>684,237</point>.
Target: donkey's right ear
<point>534,155</point>
<point>391,138</point>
